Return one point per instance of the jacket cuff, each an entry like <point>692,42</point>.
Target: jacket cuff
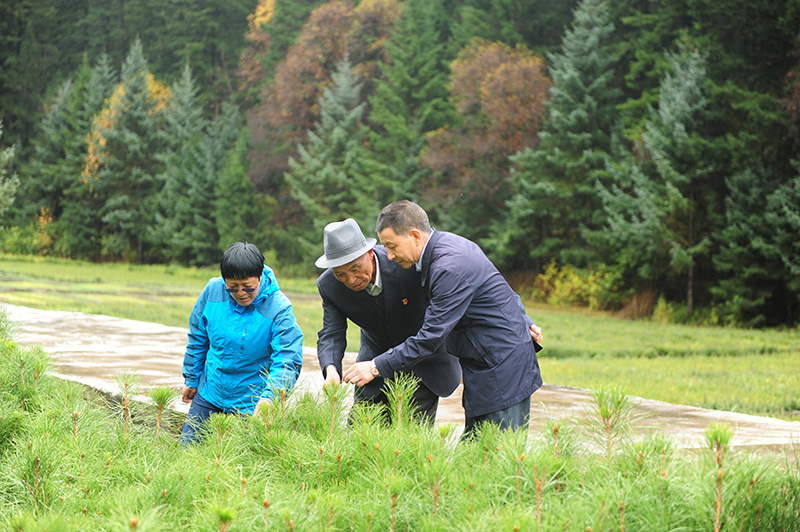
<point>382,362</point>
<point>325,370</point>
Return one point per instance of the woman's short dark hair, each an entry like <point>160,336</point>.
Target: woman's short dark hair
<point>241,260</point>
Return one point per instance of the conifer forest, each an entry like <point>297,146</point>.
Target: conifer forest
<point>637,154</point>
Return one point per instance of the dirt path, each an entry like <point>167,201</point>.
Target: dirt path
<point>92,349</point>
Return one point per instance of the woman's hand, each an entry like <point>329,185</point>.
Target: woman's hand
<point>188,394</point>
<point>261,407</point>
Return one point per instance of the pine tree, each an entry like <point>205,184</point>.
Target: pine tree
<point>46,175</point>
<point>411,98</point>
<point>79,222</point>
<point>538,25</point>
<point>26,69</point>
<point>51,178</point>
<point>220,135</point>
<point>654,219</point>
<point>240,212</point>
<point>8,181</point>
<point>183,162</point>
<point>127,174</point>
<point>555,199</point>
<point>186,223</point>
<point>205,34</point>
<point>649,29</point>
<point>750,291</point>
<point>328,180</point>
<point>783,218</point>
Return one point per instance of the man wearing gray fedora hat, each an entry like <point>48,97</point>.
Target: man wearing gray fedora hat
<point>388,303</point>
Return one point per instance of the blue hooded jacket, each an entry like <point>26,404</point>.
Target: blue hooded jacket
<point>237,355</point>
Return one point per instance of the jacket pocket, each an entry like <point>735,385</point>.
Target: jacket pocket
<point>468,345</point>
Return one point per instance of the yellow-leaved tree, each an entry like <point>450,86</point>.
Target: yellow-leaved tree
<point>122,168</point>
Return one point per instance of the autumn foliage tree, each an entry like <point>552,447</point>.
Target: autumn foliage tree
<point>289,104</point>
<point>499,94</point>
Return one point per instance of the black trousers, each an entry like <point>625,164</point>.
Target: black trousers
<point>511,418</point>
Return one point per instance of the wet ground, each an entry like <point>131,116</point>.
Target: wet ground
<point>93,349</point>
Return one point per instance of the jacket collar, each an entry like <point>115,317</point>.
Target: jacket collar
<point>427,256</point>
<point>267,286</point>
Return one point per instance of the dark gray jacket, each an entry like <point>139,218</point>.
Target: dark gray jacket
<point>385,321</point>
<point>476,314</point>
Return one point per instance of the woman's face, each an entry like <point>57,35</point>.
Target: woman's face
<point>244,291</point>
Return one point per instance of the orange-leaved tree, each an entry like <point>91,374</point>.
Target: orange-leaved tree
<point>499,94</point>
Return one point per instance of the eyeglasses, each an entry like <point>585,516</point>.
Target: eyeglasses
<point>236,290</point>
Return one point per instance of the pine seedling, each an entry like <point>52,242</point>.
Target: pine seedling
<point>162,398</point>
<point>539,488</point>
<point>334,395</point>
<point>38,362</point>
<point>718,437</point>
<point>217,429</point>
<point>32,363</point>
<point>614,410</point>
<point>224,516</point>
<point>559,438</point>
<point>36,462</point>
<point>400,392</point>
<point>648,455</point>
<point>128,386</point>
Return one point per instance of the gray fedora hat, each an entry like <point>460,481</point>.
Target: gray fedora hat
<point>343,242</point>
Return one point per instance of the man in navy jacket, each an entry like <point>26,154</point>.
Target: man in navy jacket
<point>472,311</point>
<point>388,303</point>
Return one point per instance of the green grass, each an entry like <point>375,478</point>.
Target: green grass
<point>585,333</point>
<point>756,384</point>
<point>750,371</point>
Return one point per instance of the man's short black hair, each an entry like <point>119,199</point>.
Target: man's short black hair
<point>403,216</point>
<point>241,260</point>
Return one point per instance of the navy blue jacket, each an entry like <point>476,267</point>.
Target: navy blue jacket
<point>480,319</point>
<point>385,321</point>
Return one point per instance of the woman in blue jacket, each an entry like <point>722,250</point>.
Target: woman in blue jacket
<point>244,342</point>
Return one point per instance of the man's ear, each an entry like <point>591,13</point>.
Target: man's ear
<point>416,234</point>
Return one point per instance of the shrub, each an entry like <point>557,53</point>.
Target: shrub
<point>597,289</point>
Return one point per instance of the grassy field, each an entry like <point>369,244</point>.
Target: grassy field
<point>74,462</point>
<point>751,371</point>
